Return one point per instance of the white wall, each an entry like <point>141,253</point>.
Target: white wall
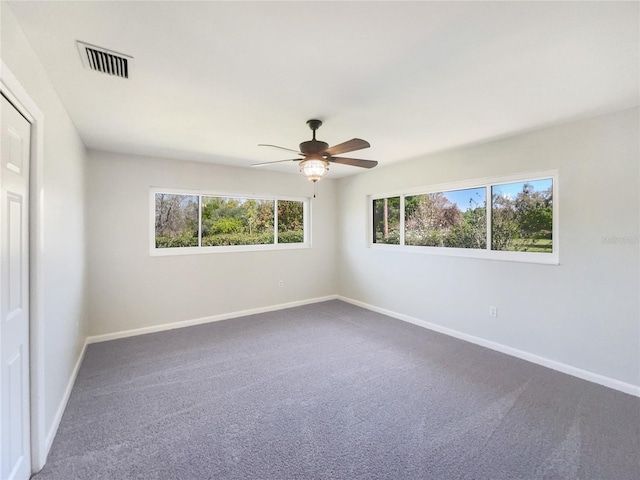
<point>63,269</point>
<point>584,312</point>
<point>129,289</point>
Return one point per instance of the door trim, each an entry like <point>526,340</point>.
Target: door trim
<point>18,96</point>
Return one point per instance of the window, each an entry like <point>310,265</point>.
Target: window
<point>522,216</point>
<point>176,220</point>
<point>290,221</point>
<point>456,218</point>
<point>186,222</point>
<point>386,220</point>
<point>510,218</point>
<point>237,221</point>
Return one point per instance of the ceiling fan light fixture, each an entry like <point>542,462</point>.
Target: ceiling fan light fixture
<point>317,155</point>
<point>314,167</point>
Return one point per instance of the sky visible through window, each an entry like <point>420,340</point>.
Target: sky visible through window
<point>467,198</point>
<point>474,197</point>
<point>511,190</point>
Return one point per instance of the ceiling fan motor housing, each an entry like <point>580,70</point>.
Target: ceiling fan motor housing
<point>313,146</point>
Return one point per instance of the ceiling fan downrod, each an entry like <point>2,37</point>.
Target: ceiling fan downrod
<point>314,125</point>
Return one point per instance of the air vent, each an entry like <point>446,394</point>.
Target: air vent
<point>105,61</point>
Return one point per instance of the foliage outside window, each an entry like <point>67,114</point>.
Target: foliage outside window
<point>447,219</point>
<point>236,221</point>
<point>510,219</point>
<point>522,216</point>
<point>199,220</point>
<point>290,221</point>
<point>176,222</point>
<point>386,220</point>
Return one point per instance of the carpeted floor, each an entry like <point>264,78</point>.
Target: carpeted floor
<point>332,391</point>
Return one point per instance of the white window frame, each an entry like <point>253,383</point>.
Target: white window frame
<point>552,258</point>
<point>163,252</point>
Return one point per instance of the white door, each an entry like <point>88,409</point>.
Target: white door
<point>14,297</point>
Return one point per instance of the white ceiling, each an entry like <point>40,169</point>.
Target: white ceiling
<point>211,80</point>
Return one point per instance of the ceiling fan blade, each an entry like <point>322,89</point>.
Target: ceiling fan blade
<point>281,148</point>
<point>348,146</point>
<point>355,162</point>
<point>275,161</point>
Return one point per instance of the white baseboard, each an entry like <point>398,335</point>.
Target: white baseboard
<point>51,434</point>
<point>530,357</point>
<point>199,321</point>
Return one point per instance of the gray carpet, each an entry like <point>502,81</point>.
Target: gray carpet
<point>332,391</point>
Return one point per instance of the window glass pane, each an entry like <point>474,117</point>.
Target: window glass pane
<point>386,220</point>
<point>236,221</point>
<point>455,218</point>
<point>290,221</point>
<point>176,220</point>
<point>522,216</point>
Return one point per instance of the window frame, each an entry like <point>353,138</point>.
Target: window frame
<point>170,251</point>
<point>552,258</point>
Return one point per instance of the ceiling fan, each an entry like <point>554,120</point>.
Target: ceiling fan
<point>317,155</point>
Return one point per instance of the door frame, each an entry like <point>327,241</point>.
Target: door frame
<point>18,96</point>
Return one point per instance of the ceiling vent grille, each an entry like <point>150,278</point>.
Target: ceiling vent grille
<point>105,61</point>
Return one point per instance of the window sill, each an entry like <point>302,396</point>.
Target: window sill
<point>522,257</point>
<point>167,252</point>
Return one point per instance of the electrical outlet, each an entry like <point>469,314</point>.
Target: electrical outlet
<point>493,311</point>
<point>281,284</point>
